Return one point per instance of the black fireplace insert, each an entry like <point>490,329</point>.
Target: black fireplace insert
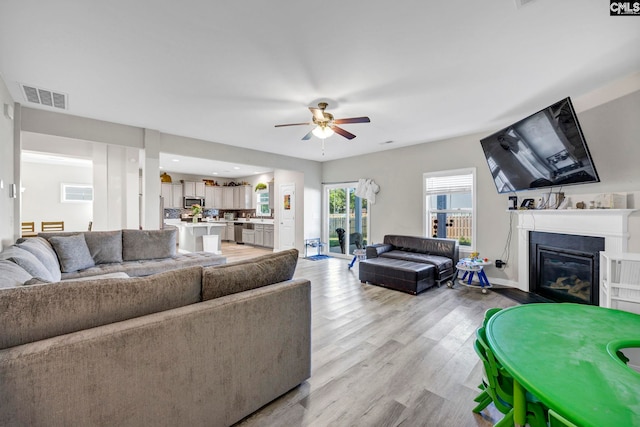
<point>565,267</point>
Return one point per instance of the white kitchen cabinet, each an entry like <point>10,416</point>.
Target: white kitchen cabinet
<point>213,197</point>
<point>268,236</point>
<point>172,194</point>
<point>217,197</point>
<point>271,196</point>
<point>259,234</point>
<point>189,188</point>
<point>200,187</point>
<point>620,281</point>
<point>248,236</point>
<point>242,197</point>
<point>237,201</point>
<point>176,196</point>
<point>227,198</point>
<point>208,196</point>
<point>193,188</point>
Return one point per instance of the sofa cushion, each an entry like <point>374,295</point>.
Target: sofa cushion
<point>28,261</point>
<point>148,244</point>
<point>12,275</point>
<point>65,307</point>
<point>73,252</point>
<point>244,275</point>
<point>43,250</point>
<point>440,262</point>
<point>105,246</point>
<point>118,275</point>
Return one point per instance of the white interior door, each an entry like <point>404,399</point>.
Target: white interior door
<point>287,209</point>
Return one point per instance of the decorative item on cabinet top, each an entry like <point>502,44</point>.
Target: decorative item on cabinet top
<point>165,177</point>
<point>235,184</point>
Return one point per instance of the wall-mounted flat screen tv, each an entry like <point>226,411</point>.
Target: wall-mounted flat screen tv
<point>546,149</point>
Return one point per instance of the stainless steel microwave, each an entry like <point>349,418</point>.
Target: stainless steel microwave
<point>190,201</point>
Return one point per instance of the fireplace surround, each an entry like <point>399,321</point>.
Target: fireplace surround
<point>610,224</point>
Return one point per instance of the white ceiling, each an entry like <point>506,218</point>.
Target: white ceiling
<point>229,71</point>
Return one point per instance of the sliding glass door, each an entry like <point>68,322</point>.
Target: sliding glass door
<point>346,219</point>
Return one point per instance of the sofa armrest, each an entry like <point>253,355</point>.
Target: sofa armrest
<point>379,248</point>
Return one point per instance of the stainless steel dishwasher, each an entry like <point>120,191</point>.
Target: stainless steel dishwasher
<point>237,232</point>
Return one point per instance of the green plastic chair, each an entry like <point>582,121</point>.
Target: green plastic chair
<point>484,399</point>
<point>489,314</point>
<point>557,420</point>
<point>498,385</point>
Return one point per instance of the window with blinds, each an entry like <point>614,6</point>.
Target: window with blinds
<point>450,206</point>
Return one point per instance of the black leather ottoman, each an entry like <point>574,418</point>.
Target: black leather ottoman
<point>405,276</point>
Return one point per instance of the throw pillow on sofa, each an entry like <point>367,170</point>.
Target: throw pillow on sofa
<point>105,246</point>
<point>72,252</point>
<point>12,275</point>
<point>148,244</point>
<point>45,253</point>
<point>28,261</point>
<point>241,276</point>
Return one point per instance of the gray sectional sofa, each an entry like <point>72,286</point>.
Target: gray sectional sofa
<point>409,263</point>
<point>199,346</point>
<point>52,257</point>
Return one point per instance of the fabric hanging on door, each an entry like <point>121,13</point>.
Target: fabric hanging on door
<point>367,189</point>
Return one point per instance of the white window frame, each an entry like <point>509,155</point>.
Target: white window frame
<point>474,212</point>
<point>65,187</point>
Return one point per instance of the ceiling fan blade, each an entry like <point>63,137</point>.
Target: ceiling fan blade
<point>292,124</point>
<point>343,132</point>
<point>318,114</point>
<point>352,120</point>
<point>308,136</point>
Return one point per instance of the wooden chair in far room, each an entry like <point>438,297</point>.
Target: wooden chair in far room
<point>52,225</point>
<point>28,229</point>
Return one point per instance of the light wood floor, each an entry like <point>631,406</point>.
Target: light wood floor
<point>382,357</point>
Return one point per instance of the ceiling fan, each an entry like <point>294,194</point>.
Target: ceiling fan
<point>326,124</point>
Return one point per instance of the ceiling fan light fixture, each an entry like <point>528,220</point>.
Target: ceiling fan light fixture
<point>323,132</point>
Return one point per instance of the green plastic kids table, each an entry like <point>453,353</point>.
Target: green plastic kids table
<point>566,355</point>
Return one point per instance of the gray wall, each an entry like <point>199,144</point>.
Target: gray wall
<point>7,204</point>
<point>612,132</point>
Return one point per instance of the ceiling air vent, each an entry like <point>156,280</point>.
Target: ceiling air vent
<point>46,97</point>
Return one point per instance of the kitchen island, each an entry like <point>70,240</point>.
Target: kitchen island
<point>190,234</point>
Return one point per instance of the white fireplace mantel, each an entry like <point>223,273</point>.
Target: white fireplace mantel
<point>612,224</point>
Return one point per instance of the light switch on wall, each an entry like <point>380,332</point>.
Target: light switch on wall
<point>1,184</point>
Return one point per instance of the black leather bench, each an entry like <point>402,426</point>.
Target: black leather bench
<point>405,276</point>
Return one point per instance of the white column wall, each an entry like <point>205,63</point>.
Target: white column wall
<point>150,181</point>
